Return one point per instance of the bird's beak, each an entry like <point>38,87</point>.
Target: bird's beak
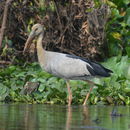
<point>28,42</point>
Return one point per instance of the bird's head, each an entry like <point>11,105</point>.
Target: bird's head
<point>36,30</point>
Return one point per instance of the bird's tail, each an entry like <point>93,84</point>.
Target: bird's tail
<point>99,70</point>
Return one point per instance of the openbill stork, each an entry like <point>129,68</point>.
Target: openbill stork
<point>68,67</point>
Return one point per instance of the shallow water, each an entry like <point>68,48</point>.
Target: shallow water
<point>56,117</point>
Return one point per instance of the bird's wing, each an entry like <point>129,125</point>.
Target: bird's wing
<point>94,68</point>
<point>74,67</point>
<point>67,67</point>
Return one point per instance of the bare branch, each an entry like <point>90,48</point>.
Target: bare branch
<point>4,21</point>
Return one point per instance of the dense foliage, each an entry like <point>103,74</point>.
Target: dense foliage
<point>118,31</point>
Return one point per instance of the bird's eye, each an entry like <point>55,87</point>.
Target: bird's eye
<point>36,29</point>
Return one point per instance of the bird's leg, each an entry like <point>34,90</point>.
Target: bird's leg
<point>88,94</point>
<point>70,93</point>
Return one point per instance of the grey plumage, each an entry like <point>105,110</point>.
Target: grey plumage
<point>73,67</point>
<point>96,69</point>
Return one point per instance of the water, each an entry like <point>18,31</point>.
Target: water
<point>56,117</point>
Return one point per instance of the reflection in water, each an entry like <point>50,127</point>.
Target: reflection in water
<point>86,119</point>
<point>47,117</point>
<point>69,118</point>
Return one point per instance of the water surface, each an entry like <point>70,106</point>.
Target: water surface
<point>57,117</point>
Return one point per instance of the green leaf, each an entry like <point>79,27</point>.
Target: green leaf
<point>111,4</point>
<point>126,90</point>
<point>120,66</point>
<point>115,13</point>
<point>3,92</point>
<point>116,35</point>
<point>127,16</point>
<point>126,1</point>
<point>121,97</point>
<point>41,87</point>
<point>128,72</point>
<point>128,50</point>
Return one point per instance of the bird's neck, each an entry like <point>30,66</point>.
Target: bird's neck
<point>39,43</point>
<point>40,50</point>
